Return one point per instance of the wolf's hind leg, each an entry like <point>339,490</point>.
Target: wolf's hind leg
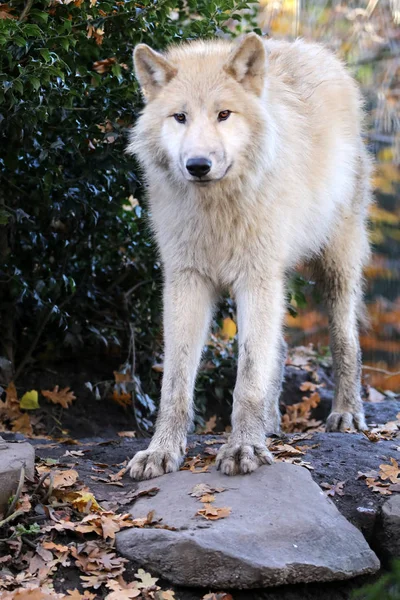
<point>339,271</point>
<point>188,303</point>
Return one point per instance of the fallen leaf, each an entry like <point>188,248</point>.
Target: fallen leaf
<point>83,501</point>
<point>147,520</point>
<point>213,513</point>
<point>63,397</point>
<point>378,486</point>
<point>207,499</point>
<point>229,328</point>
<point>126,434</point>
<point>63,479</point>
<point>201,489</point>
<point>309,386</point>
<point>23,425</point>
<point>391,472</point>
<point>333,489</point>
<point>124,399</point>
<point>210,424</point>
<point>30,400</point>
<point>165,595</point>
<point>76,595</point>
<point>10,408</point>
<point>217,596</point>
<point>297,416</point>
<point>122,590</point>
<point>146,580</point>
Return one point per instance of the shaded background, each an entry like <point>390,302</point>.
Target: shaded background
<point>80,280</point>
<point>367,36</point>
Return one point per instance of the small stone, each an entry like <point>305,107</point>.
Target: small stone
<point>12,457</point>
<point>281,529</point>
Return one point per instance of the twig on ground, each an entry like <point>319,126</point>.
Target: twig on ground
<point>384,371</point>
<point>18,492</point>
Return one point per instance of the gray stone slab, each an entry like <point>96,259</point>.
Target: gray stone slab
<point>389,530</point>
<point>282,529</point>
<point>12,457</point>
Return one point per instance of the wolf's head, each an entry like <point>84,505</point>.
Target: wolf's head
<point>204,111</point>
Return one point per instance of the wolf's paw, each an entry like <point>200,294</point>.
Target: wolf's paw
<point>234,458</point>
<point>153,463</point>
<point>340,421</point>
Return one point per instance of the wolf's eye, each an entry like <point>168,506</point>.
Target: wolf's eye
<point>223,115</point>
<point>180,117</point>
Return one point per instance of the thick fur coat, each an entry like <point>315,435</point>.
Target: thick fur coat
<point>254,162</point>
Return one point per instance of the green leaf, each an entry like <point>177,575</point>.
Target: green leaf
<point>4,217</point>
<point>42,16</point>
<point>17,85</point>
<point>30,400</point>
<point>45,53</point>
<point>35,83</point>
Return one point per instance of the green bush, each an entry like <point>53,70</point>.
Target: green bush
<point>77,265</point>
<point>386,588</point>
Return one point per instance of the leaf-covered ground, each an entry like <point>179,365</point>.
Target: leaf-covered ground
<point>57,537</point>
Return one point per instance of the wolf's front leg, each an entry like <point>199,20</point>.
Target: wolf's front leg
<point>188,303</point>
<point>255,398</point>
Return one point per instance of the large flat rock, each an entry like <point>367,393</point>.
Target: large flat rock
<point>281,529</point>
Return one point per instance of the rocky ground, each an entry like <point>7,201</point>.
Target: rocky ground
<point>313,525</point>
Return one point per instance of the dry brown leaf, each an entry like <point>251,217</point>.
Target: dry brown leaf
<point>30,594</point>
<point>309,386</point>
<point>10,409</point>
<point>217,596</point>
<point>202,489</point>
<point>198,464</point>
<point>297,416</point>
<point>117,476</point>
<point>391,472</point>
<point>76,595</point>
<point>64,397</point>
<point>210,425</point>
<point>63,479</point>
<point>126,434</point>
<point>333,489</point>
<point>55,547</point>
<point>146,580</point>
<point>213,513</point>
<point>124,399</point>
<point>147,520</point>
<point>83,501</point>
<point>378,486</point>
<point>103,66</point>
<point>285,450</point>
<point>122,377</point>
<point>207,498</point>
<point>23,425</point>
<point>5,12</point>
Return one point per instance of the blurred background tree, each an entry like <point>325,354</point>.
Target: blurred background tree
<point>80,281</point>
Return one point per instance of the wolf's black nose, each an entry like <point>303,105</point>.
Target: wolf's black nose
<point>198,166</point>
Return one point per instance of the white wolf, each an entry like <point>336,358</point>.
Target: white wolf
<point>254,162</point>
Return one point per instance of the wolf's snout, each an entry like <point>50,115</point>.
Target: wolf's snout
<point>198,167</point>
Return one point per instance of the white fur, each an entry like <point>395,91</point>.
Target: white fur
<point>289,183</point>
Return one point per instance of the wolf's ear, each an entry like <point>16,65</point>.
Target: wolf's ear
<point>152,70</point>
<point>247,63</point>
